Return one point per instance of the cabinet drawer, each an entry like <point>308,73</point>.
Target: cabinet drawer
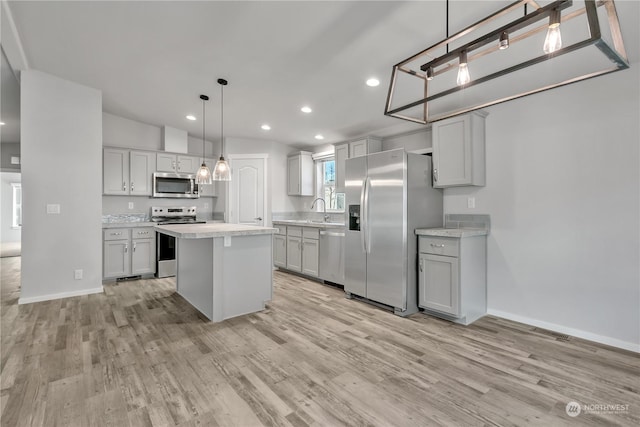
<point>117,234</point>
<point>143,233</point>
<point>282,230</point>
<point>439,245</point>
<point>311,233</point>
<point>294,231</point>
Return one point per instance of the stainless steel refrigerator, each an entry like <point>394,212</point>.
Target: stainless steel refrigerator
<point>388,195</point>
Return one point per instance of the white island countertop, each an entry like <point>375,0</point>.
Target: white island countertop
<point>207,231</point>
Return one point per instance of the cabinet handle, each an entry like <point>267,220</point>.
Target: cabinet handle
<point>435,175</point>
<point>173,165</point>
<point>421,265</point>
<point>124,186</point>
<point>134,246</point>
<point>433,245</point>
<point>179,164</point>
<point>258,219</point>
<point>126,248</point>
<point>132,186</point>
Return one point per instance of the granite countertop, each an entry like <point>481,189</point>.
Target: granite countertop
<point>451,232</point>
<point>128,224</point>
<point>207,231</point>
<point>308,223</point>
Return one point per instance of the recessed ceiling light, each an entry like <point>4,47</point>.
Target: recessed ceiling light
<point>373,82</point>
<point>306,109</point>
<point>191,117</point>
<point>265,127</point>
<point>318,136</point>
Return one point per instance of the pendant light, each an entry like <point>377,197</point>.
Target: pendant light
<point>222,171</point>
<point>204,174</point>
<point>553,41</point>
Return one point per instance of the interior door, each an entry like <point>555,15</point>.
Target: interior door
<point>247,191</point>
<point>387,228</point>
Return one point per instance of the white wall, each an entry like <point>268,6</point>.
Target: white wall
<point>563,192</point>
<point>61,138</point>
<point>8,234</point>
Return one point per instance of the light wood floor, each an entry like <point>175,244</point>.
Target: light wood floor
<point>140,355</point>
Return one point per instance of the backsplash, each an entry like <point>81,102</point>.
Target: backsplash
<point>313,216</point>
<point>467,221</point>
<point>134,217</point>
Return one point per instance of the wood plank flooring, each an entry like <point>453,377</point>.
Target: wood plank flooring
<point>139,355</point>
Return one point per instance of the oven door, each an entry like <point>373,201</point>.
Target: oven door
<point>174,185</point>
<point>166,255</point>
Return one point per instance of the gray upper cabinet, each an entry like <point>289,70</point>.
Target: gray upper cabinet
<point>300,174</point>
<point>348,150</point>
<point>168,162</point>
<point>127,172</point>
<point>459,151</point>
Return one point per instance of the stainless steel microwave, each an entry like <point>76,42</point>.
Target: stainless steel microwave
<point>175,185</point>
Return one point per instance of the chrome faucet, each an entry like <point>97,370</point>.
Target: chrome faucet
<point>324,207</point>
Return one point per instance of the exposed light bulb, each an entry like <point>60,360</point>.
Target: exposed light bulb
<point>463,70</point>
<point>553,41</point>
<point>504,41</point>
<point>430,73</point>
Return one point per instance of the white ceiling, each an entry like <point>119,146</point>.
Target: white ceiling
<point>152,60</point>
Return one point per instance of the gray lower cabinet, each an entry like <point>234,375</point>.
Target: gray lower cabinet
<point>129,252</point>
<point>297,248</point>
<point>452,279</point>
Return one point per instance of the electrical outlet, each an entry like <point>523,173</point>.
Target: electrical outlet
<point>206,205</point>
<point>130,205</point>
<point>471,202</point>
<point>53,209</point>
<point>77,274</point>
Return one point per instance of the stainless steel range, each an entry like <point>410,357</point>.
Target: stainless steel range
<point>166,245</point>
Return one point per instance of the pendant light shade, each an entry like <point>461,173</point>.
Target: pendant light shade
<point>203,177</point>
<point>222,171</point>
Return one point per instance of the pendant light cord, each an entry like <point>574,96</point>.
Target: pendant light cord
<point>222,119</point>
<point>203,152</point>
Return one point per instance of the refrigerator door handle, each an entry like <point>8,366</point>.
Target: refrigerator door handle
<point>363,226</point>
<point>367,238</point>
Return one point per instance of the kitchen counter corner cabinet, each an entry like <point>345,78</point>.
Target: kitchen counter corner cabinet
<point>223,270</point>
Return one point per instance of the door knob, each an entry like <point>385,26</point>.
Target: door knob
<point>258,219</point>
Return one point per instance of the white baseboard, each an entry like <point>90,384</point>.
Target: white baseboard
<point>578,333</point>
<point>40,298</point>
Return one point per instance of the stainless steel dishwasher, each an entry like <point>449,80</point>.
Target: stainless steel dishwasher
<point>332,255</point>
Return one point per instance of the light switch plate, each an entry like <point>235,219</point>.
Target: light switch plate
<point>53,209</point>
<point>227,241</point>
<point>15,160</point>
<point>77,274</point>
<point>130,205</point>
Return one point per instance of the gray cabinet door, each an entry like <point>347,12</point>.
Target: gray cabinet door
<point>115,172</point>
<point>341,156</point>
<point>294,253</point>
<point>310,255</point>
<point>166,162</point>
<point>117,261</point>
<point>143,256</point>
<point>188,164</point>
<point>142,166</point>
<point>452,160</point>
<point>439,286</point>
<point>280,251</point>
<point>293,176</point>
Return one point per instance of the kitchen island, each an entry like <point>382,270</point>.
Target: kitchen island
<point>223,270</point>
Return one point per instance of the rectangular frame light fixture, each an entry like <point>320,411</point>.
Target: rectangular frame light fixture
<point>429,102</point>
